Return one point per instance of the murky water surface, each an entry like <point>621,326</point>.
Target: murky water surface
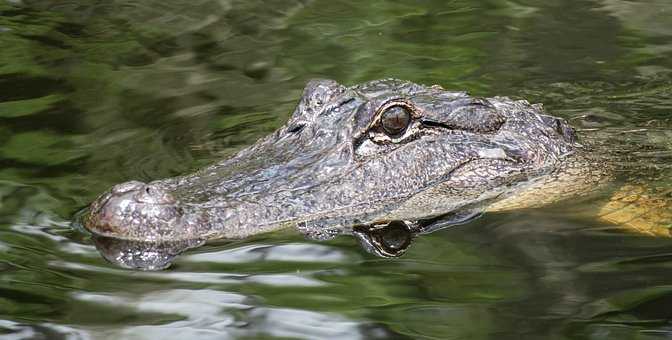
<point>94,93</point>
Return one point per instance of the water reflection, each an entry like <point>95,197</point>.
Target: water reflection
<point>142,255</point>
<point>92,94</point>
<point>207,313</point>
<point>293,252</point>
<point>215,314</point>
<point>384,240</point>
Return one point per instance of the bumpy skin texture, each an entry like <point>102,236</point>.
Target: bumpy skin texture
<point>333,166</point>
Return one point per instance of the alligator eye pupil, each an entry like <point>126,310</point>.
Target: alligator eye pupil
<point>395,120</point>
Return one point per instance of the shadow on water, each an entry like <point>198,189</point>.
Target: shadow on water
<point>92,94</point>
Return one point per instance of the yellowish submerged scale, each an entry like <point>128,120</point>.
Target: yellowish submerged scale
<point>640,208</point>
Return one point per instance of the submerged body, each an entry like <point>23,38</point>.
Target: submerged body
<point>365,156</point>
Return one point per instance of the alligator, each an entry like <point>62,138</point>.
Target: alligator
<point>385,161</point>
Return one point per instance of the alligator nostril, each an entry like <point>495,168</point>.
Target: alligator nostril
<point>151,193</point>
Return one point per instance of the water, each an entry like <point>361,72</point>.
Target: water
<point>92,94</point>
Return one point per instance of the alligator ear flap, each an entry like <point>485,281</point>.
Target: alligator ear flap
<point>566,131</point>
<point>561,127</point>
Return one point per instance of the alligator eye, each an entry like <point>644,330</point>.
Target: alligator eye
<point>395,120</point>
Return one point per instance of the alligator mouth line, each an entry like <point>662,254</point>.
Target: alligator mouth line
<point>304,220</point>
<point>92,215</point>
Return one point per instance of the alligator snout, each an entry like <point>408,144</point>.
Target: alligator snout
<point>133,209</point>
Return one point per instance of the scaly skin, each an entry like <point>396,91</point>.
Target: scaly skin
<point>335,165</point>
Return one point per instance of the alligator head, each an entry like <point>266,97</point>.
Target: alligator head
<point>350,159</point>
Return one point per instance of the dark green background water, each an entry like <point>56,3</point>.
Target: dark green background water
<point>97,92</point>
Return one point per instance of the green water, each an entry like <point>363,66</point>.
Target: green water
<point>94,93</point>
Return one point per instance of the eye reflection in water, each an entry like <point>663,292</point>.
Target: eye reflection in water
<point>385,240</point>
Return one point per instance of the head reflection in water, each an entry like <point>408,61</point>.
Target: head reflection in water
<point>140,255</point>
<point>388,240</point>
